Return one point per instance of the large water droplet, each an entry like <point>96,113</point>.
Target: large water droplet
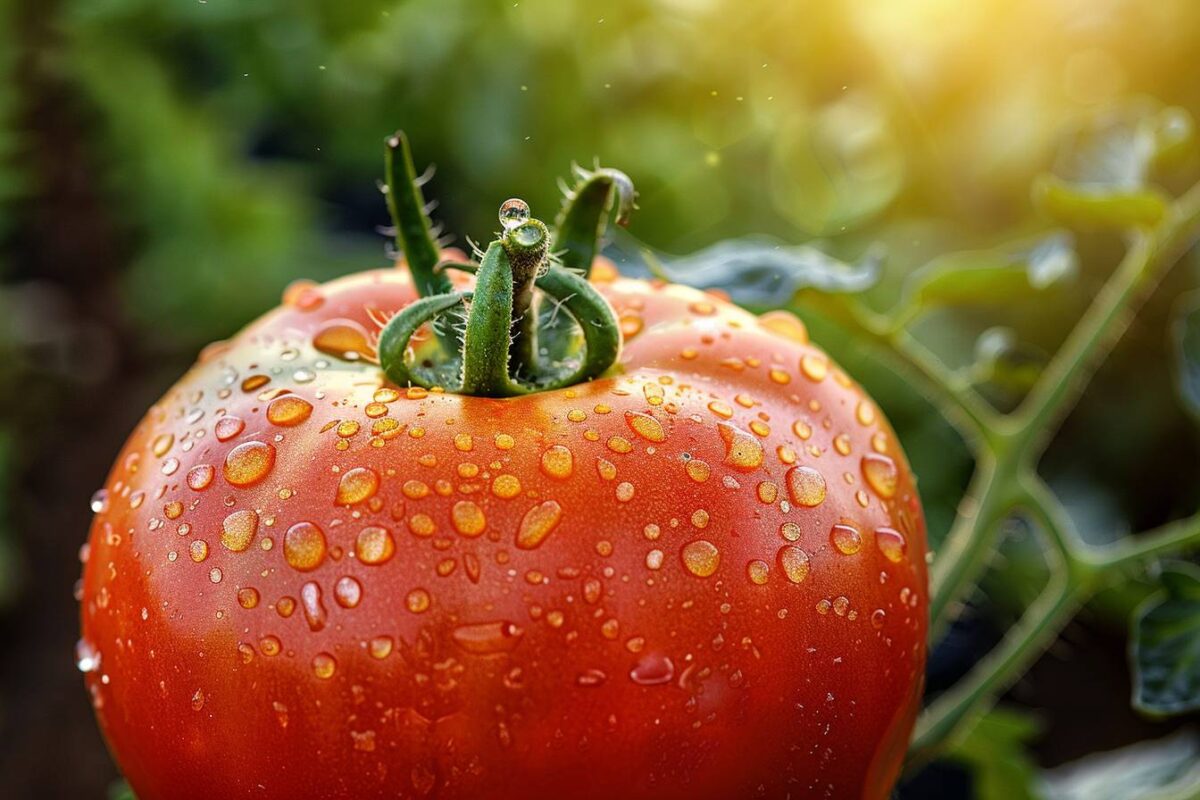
<point>653,669</point>
<point>514,213</point>
<point>701,558</point>
<point>537,524</point>
<point>87,657</point>
<point>488,638</point>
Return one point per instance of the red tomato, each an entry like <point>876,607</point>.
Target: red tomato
<point>702,577</point>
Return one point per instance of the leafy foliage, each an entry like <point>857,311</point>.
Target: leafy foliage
<point>994,749</point>
<point>1165,645</point>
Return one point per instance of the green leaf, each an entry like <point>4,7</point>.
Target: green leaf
<point>1161,769</point>
<point>1102,178</point>
<point>1165,645</point>
<point>1002,361</point>
<point>760,273</point>
<point>1185,340</point>
<point>1098,206</point>
<point>994,750</point>
<point>120,791</point>
<point>994,276</point>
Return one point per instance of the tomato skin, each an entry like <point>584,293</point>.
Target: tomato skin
<point>494,653</point>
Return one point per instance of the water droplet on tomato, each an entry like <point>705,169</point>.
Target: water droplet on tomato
<point>249,463</point>
<point>288,410</point>
<point>357,485</point>
<point>348,592</point>
<point>228,427</point>
<point>237,530</point>
<point>645,426</point>
<point>304,546</point>
<point>881,474</point>
<point>558,462</point>
<point>794,563</point>
<point>374,545</point>
<point>488,638</point>
<point>806,486</point>
<point>345,340</point>
<point>845,538</point>
<point>891,543</point>
<point>701,557</point>
<point>652,669</point>
<point>742,451</point>
<point>537,524</point>
<point>324,665</point>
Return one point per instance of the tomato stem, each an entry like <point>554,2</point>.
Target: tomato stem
<point>406,204</point>
<point>501,354</point>
<point>586,208</point>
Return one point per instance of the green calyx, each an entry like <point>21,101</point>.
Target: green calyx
<point>532,322</point>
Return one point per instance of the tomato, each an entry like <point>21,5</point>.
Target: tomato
<point>700,575</point>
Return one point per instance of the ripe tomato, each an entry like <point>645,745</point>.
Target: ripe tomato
<point>700,576</point>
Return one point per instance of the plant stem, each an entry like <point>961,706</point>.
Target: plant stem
<point>1145,262</point>
<point>1022,644</point>
<point>1007,450</point>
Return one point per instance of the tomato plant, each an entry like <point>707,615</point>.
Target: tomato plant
<point>415,533</point>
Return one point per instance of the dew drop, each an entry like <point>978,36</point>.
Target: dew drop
<point>348,592</point>
<point>345,340</point>
<point>891,543</point>
<point>238,529</point>
<point>200,477</point>
<point>514,213</point>
<point>742,451</point>
<point>288,410</point>
<point>324,665</point>
<point>468,518</point>
<point>99,502</point>
<point>845,538</point>
<point>312,601</point>
<point>374,545</point>
<point>881,474</point>
<point>537,524</point>
<point>701,558</point>
<point>794,563</point>
<point>357,485</point>
<point>645,426</point>
<point>488,638</point>
<point>806,486</point>
<point>652,669</point>
<point>249,463</point>
<point>304,546</point>
<point>558,462</point>
<point>417,601</point>
<point>228,427</point>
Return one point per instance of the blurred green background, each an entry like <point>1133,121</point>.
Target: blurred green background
<point>167,167</point>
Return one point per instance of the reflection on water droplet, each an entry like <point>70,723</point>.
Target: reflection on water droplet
<point>488,638</point>
<point>881,474</point>
<point>742,451</point>
<point>537,524</point>
<point>514,212</point>
<point>344,339</point>
<point>304,546</point>
<point>87,657</point>
<point>237,530</point>
<point>357,485</point>
<point>845,538</point>
<point>374,545</point>
<point>794,563</point>
<point>249,463</point>
<point>806,486</point>
<point>99,502</point>
<point>891,543</point>
<point>652,669</point>
<point>288,410</point>
<point>324,665</point>
<point>701,558</point>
